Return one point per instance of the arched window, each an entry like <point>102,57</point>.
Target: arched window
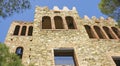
<point>19,51</point>
<point>70,22</point>
<point>116,31</point>
<point>99,32</point>
<point>30,30</point>
<point>108,32</point>
<point>58,22</point>
<point>89,31</point>
<point>46,22</point>
<point>16,31</point>
<point>23,32</point>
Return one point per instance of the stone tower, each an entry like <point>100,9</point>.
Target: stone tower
<point>59,37</point>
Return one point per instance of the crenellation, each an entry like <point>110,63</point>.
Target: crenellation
<point>65,8</point>
<point>45,8</point>
<point>56,8</point>
<point>101,18</point>
<point>100,21</point>
<point>86,17</point>
<point>93,18</point>
<point>87,40</point>
<point>74,9</point>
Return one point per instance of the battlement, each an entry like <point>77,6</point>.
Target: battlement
<point>21,22</point>
<point>56,8</point>
<point>65,11</point>
<point>101,19</point>
<point>62,33</point>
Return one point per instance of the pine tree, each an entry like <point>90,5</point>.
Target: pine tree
<point>111,8</point>
<point>9,7</point>
<point>7,58</point>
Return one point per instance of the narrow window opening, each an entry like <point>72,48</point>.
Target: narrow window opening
<point>16,31</point>
<point>99,32</point>
<point>46,22</point>
<point>89,31</point>
<point>30,49</point>
<point>56,11</point>
<point>70,22</point>
<point>116,31</point>
<point>11,39</point>
<point>58,22</point>
<point>116,60</point>
<point>108,32</point>
<point>97,22</point>
<point>30,30</point>
<point>31,40</point>
<point>64,57</point>
<point>19,51</point>
<point>23,32</point>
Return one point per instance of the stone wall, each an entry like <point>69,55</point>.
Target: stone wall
<point>14,41</point>
<point>39,48</point>
<point>89,52</point>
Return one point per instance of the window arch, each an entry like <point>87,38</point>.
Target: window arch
<point>99,32</point>
<point>108,32</point>
<point>58,22</point>
<point>70,22</point>
<point>17,29</point>
<point>30,30</point>
<point>19,51</point>
<point>46,22</point>
<point>23,32</point>
<point>89,31</point>
<point>116,31</point>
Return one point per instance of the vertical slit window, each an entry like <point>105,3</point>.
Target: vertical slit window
<point>64,57</point>
<point>70,22</point>
<point>89,31</point>
<point>17,29</point>
<point>23,32</point>
<point>19,51</point>
<point>30,30</point>
<point>58,22</point>
<point>108,32</point>
<point>99,32</point>
<point>46,22</point>
<point>116,31</point>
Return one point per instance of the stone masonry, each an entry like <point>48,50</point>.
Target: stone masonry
<point>39,47</point>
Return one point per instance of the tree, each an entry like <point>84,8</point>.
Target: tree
<point>8,59</point>
<point>111,8</point>
<point>8,7</point>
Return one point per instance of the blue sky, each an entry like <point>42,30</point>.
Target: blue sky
<point>64,60</point>
<point>84,7</point>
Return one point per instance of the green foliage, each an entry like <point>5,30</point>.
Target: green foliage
<point>8,59</point>
<point>108,6</point>
<point>8,7</point>
<point>119,23</point>
<point>111,8</point>
<point>31,64</point>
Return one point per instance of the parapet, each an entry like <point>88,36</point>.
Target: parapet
<point>98,20</point>
<point>56,8</point>
<point>65,8</point>
<point>22,22</point>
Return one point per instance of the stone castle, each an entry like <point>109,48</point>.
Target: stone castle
<point>59,37</point>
